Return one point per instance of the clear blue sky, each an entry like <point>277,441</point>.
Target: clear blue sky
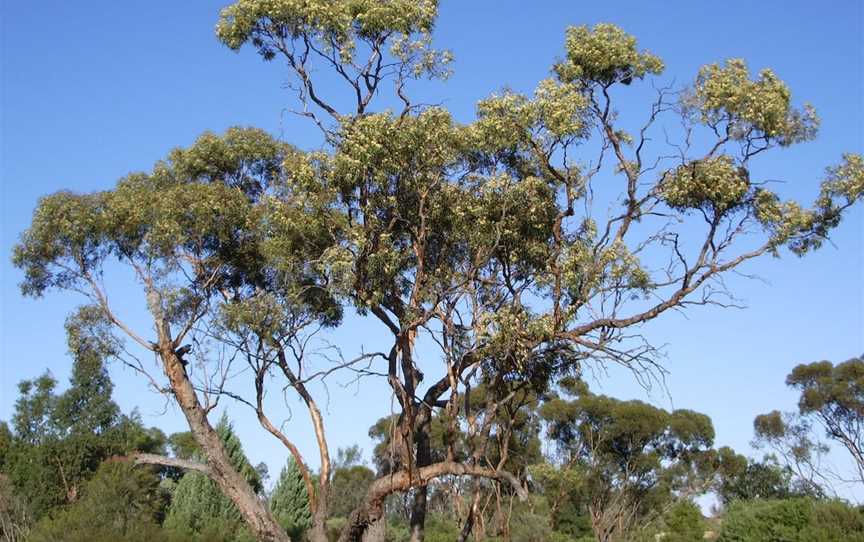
<point>93,90</point>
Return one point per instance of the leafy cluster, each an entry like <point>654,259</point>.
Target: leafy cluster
<point>713,184</point>
<point>605,54</point>
<point>793,520</point>
<point>727,95</point>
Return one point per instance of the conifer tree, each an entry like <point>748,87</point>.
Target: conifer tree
<point>290,501</point>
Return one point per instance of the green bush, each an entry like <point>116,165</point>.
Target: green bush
<point>792,520</point>
<point>120,502</point>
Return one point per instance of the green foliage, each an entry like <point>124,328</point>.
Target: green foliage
<point>726,94</point>
<point>803,229</point>
<point>740,478</point>
<point>59,440</point>
<point>336,28</point>
<point>605,54</point>
<point>33,416</point>
<point>439,528</point>
<point>508,121</point>
<point>183,445</point>
<point>289,501</point>
<point>792,520</point>
<point>627,431</point>
<point>681,522</point>
<point>199,509</point>
<point>120,502</point>
<point>564,490</point>
<point>714,184</point>
<point>624,455</point>
<point>845,183</point>
<point>835,394</point>
<point>530,521</point>
<point>348,488</point>
<point>248,159</point>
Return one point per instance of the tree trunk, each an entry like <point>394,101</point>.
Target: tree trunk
<point>318,531</point>
<point>423,459</point>
<point>376,531</point>
<point>254,512</point>
<point>418,514</point>
<point>472,513</point>
<point>601,525</point>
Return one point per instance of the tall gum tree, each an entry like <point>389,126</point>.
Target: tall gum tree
<point>484,238</point>
<point>179,234</point>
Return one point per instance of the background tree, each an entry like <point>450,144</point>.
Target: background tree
<point>834,396</point>
<point>743,479</point>
<point>351,480</point>
<point>633,458</point>
<point>791,439</point>
<point>59,440</point>
<point>290,502</point>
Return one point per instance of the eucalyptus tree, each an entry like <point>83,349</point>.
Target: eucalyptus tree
<point>495,240</point>
<point>832,399</point>
<point>179,234</point>
<point>486,236</point>
<point>833,395</point>
<point>630,459</point>
<point>742,479</point>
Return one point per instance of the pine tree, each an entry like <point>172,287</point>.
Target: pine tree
<point>290,501</point>
<point>197,505</point>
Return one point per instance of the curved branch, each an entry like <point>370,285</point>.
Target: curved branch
<point>372,507</point>
<point>154,459</point>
